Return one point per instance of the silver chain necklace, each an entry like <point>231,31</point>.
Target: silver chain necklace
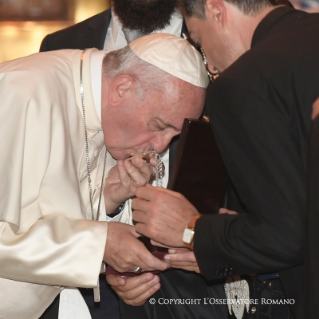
<point>159,166</point>
<point>88,164</point>
<point>158,169</point>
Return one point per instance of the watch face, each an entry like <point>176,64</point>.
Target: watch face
<point>188,236</point>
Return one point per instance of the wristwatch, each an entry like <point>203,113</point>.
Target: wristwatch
<point>189,232</point>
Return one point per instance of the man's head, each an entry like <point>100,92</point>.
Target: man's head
<point>224,28</point>
<point>196,8</point>
<point>148,89</point>
<point>145,16</point>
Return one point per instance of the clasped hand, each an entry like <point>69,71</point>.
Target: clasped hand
<point>136,290</point>
<point>123,180</point>
<point>123,251</point>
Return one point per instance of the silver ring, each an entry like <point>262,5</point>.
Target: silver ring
<point>138,270</point>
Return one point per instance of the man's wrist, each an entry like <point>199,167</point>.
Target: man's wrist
<point>189,232</point>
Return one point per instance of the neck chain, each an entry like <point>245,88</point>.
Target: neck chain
<point>88,164</point>
<point>159,166</point>
<point>158,169</point>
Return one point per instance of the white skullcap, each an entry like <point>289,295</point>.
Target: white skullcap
<point>173,55</point>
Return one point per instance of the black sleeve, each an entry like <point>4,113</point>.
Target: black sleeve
<point>69,38</point>
<point>311,279</point>
<point>89,33</point>
<point>260,146</point>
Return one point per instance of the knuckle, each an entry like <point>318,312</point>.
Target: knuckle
<point>111,280</point>
<point>160,197</point>
<point>180,196</point>
<point>128,262</point>
<point>128,302</point>
<point>123,266</point>
<point>135,303</point>
<point>152,226</point>
<point>130,296</point>
<point>152,262</point>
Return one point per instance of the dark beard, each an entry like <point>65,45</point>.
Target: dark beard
<point>145,16</point>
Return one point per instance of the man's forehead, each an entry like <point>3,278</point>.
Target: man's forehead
<point>187,102</point>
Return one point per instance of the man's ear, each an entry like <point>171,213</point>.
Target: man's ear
<point>215,10</point>
<point>120,88</point>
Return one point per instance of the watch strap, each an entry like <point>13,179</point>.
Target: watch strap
<point>191,226</point>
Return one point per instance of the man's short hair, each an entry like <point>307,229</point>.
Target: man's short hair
<point>196,8</point>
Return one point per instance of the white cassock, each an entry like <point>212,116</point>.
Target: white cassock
<point>47,240</point>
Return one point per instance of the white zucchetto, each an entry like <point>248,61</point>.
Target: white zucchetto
<point>174,55</point>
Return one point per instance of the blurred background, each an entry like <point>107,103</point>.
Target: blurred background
<point>24,23</point>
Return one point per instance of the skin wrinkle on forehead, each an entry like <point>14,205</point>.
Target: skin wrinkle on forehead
<point>168,124</point>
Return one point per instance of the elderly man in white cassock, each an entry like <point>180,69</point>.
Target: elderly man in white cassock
<point>70,122</point>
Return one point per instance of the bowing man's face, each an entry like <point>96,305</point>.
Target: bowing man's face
<point>217,34</point>
<point>138,120</point>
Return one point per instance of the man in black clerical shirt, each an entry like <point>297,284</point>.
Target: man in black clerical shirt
<point>260,108</point>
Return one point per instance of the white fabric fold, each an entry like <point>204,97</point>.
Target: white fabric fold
<point>72,305</point>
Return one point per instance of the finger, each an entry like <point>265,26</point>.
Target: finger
<point>177,250</point>
<point>145,195</point>
<point>227,211</point>
<point>181,257</point>
<point>179,264</point>
<point>133,282</point>
<point>139,294</point>
<point>140,227</point>
<point>152,160</point>
<point>182,264</point>
<point>124,176</point>
<point>148,192</point>
<point>140,300</point>
<point>140,257</point>
<point>139,178</point>
<point>156,243</point>
<point>150,262</point>
<point>143,166</point>
<point>131,229</point>
<point>135,233</point>
<point>188,267</point>
<point>147,171</point>
<point>138,289</point>
<point>140,206</point>
<point>115,281</point>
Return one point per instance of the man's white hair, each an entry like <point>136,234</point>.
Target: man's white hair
<point>125,61</point>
